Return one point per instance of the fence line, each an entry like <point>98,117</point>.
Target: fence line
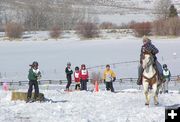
<point>60,82</point>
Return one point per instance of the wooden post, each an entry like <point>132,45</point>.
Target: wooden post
<point>19,83</point>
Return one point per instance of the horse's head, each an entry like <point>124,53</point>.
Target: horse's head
<point>148,66</point>
<point>147,61</point>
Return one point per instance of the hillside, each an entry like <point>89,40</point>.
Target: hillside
<point>116,11</point>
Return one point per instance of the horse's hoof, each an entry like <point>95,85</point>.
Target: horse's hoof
<point>147,104</point>
<point>156,103</point>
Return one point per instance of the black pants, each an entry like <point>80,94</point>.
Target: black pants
<point>77,86</point>
<point>84,84</point>
<point>109,86</point>
<point>36,87</point>
<point>69,81</point>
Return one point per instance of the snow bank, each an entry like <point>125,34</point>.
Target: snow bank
<point>86,107</point>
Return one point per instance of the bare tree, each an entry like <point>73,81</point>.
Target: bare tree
<point>3,16</point>
<point>174,26</point>
<point>37,15</point>
<point>162,8</point>
<point>1,12</point>
<point>44,14</point>
<point>67,14</point>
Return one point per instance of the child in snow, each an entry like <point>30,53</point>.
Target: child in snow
<point>109,77</point>
<point>77,78</point>
<point>83,77</point>
<point>69,73</point>
<point>33,76</point>
<point>167,76</point>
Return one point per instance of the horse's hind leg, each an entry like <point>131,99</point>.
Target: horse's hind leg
<point>146,92</point>
<point>155,94</point>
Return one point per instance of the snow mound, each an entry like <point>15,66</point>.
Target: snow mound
<point>84,106</point>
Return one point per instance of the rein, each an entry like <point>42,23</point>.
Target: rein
<point>150,78</point>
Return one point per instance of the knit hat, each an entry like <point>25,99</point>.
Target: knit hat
<point>68,63</point>
<point>83,65</point>
<point>77,68</point>
<point>35,63</point>
<point>146,39</point>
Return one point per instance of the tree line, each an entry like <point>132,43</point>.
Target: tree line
<point>42,14</point>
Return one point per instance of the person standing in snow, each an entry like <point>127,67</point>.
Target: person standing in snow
<point>69,73</point>
<point>33,76</point>
<point>148,47</point>
<point>77,78</point>
<point>167,78</point>
<point>83,77</point>
<point>109,77</point>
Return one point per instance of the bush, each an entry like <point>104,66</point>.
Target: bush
<point>14,30</point>
<point>87,30</point>
<point>55,32</point>
<point>106,25</point>
<point>169,26</point>
<point>174,26</point>
<point>158,28</point>
<point>2,28</point>
<point>141,29</point>
<point>123,26</point>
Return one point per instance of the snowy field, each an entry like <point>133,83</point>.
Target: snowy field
<point>52,55</point>
<point>87,107</point>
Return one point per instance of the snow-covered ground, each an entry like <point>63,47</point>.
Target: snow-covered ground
<point>52,55</point>
<point>87,107</point>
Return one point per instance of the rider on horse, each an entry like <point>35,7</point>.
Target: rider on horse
<point>149,48</point>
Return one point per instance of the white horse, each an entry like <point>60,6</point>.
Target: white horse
<point>150,78</point>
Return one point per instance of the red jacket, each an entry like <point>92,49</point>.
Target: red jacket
<point>84,74</point>
<point>77,76</point>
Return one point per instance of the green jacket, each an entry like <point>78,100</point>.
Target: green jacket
<point>32,76</point>
<point>69,72</point>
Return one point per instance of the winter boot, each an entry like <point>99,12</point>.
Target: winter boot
<point>28,100</point>
<point>140,72</point>
<point>139,81</point>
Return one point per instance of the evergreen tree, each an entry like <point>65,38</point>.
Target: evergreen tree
<point>172,11</point>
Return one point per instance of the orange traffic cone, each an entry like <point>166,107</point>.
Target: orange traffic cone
<point>96,86</point>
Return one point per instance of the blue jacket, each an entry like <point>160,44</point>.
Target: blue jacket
<point>149,48</point>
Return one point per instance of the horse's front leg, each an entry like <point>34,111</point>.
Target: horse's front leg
<point>146,91</point>
<point>155,93</point>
